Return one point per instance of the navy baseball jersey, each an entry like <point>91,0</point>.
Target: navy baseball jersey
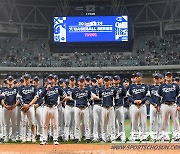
<point>126,99</point>
<point>108,96</point>
<point>138,92</point>
<point>81,96</point>
<point>90,89</point>
<point>169,93</point>
<point>68,91</point>
<point>95,90</point>
<point>1,97</point>
<point>9,95</point>
<point>39,100</point>
<point>154,97</point>
<point>26,93</point>
<point>51,95</point>
<point>121,93</point>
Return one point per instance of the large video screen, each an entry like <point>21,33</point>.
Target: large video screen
<point>91,29</point>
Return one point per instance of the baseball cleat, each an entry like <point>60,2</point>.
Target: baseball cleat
<point>76,140</point>
<point>88,141</point>
<point>23,141</point>
<point>95,140</point>
<point>56,142</point>
<point>43,143</point>
<point>33,140</point>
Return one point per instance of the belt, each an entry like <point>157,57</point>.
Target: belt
<point>98,104</point>
<point>51,105</point>
<point>82,107</point>
<point>107,107</point>
<point>169,103</point>
<point>71,105</point>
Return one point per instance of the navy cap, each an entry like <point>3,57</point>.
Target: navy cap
<point>176,79</point>
<point>66,80</point>
<point>106,78</point>
<point>93,79</point>
<point>99,76</point>
<point>50,76</point>
<point>61,80</point>
<point>88,78</point>
<point>36,78</point>
<point>72,77</point>
<point>125,80</point>
<point>15,81</point>
<point>10,78</point>
<point>139,74</point>
<point>156,75</point>
<point>133,75</point>
<point>56,77</point>
<point>21,79</point>
<point>116,77</point>
<point>161,76</point>
<point>81,77</point>
<point>27,76</point>
<point>168,73</point>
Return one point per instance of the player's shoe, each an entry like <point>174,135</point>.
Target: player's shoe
<point>56,142</point>
<point>88,140</point>
<point>14,141</point>
<point>76,140</point>
<point>43,143</point>
<point>34,140</point>
<point>95,140</point>
<point>23,141</point>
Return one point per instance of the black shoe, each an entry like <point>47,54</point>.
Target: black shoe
<point>37,137</point>
<point>76,140</point>
<point>83,137</point>
<point>50,138</point>
<point>88,141</point>
<point>60,139</point>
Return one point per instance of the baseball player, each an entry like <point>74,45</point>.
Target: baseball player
<point>138,93</point>
<point>50,112</point>
<point>9,103</point>
<point>69,110</point>
<point>177,81</point>
<point>97,109</point>
<point>26,93</point>
<point>126,100</point>
<point>108,94</point>
<point>119,109</point>
<point>170,104</point>
<point>38,109</point>
<point>154,108</point>
<point>81,96</point>
<point>1,117</point>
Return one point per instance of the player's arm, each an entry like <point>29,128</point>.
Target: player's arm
<point>6,106</point>
<point>147,95</point>
<point>129,95</point>
<point>178,99</point>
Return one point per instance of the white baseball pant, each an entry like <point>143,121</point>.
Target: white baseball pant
<point>39,121</point>
<point>108,124</point>
<point>50,114</point>
<point>84,115</point>
<point>10,116</point>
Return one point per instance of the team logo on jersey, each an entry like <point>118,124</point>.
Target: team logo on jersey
<point>10,93</point>
<point>166,90</point>
<point>138,91</point>
<point>28,91</point>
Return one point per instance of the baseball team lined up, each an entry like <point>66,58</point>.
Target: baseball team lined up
<point>90,109</point>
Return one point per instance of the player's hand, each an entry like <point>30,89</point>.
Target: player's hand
<point>178,108</point>
<point>8,107</point>
<point>155,105</point>
<point>26,106</point>
<point>136,102</point>
<point>48,87</point>
<point>36,106</point>
<point>158,108</point>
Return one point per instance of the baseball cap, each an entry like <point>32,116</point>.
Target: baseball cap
<point>10,78</point>
<point>93,79</point>
<point>36,78</point>
<point>56,77</point>
<point>27,76</point>
<point>88,78</point>
<point>99,76</point>
<point>133,75</point>
<point>116,77</point>
<point>61,80</point>
<point>81,77</point>
<point>50,76</point>
<point>156,75</point>
<point>139,74</point>
<point>15,81</point>
<point>161,76</point>
<point>125,80</point>
<point>176,79</point>
<point>106,78</point>
<point>168,73</point>
<point>72,77</point>
<point>66,80</point>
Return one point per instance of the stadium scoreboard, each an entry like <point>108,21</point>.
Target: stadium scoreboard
<point>91,29</point>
